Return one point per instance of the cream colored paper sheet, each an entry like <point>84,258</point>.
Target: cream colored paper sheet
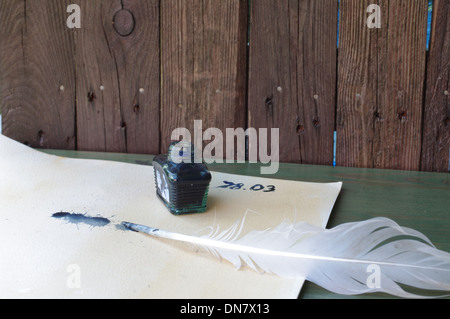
<point>45,257</point>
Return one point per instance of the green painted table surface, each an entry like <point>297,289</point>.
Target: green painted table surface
<point>419,200</point>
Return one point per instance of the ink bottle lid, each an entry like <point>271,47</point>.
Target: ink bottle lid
<point>182,181</point>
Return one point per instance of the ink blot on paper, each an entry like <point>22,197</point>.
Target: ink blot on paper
<point>73,218</point>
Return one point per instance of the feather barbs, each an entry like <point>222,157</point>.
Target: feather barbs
<point>376,255</point>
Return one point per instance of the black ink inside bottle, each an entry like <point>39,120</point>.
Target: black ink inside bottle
<point>182,183</point>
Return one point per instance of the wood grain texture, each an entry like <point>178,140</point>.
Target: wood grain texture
<point>380,85</point>
<point>203,62</point>
<point>436,134</point>
<point>118,74</point>
<point>292,76</point>
<point>357,86</point>
<point>136,70</point>
<point>35,61</point>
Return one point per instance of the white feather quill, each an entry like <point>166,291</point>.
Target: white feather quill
<point>354,258</point>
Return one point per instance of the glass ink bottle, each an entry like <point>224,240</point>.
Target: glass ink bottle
<point>181,183</point>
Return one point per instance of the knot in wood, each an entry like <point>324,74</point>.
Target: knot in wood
<point>91,96</point>
<point>316,122</point>
<point>124,22</point>
<point>447,122</point>
<point>269,101</point>
<point>300,129</point>
<point>402,116</point>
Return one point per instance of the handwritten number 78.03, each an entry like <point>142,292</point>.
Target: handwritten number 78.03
<point>256,187</point>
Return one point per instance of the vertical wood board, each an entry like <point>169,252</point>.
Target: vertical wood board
<point>37,87</point>
<point>380,85</point>
<point>203,60</point>
<point>292,76</point>
<point>357,86</point>
<point>118,91</point>
<point>436,134</point>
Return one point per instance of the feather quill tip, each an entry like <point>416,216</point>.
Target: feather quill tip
<point>129,226</point>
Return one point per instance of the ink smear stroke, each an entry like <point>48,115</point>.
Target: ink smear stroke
<point>92,221</point>
<point>73,218</point>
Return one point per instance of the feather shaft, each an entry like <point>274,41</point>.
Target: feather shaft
<point>212,243</point>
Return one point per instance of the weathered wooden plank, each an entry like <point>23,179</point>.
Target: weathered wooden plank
<point>400,92</point>
<point>436,134</point>
<point>203,60</point>
<point>357,86</point>
<point>292,76</point>
<point>37,87</point>
<point>118,73</point>
<point>380,85</point>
